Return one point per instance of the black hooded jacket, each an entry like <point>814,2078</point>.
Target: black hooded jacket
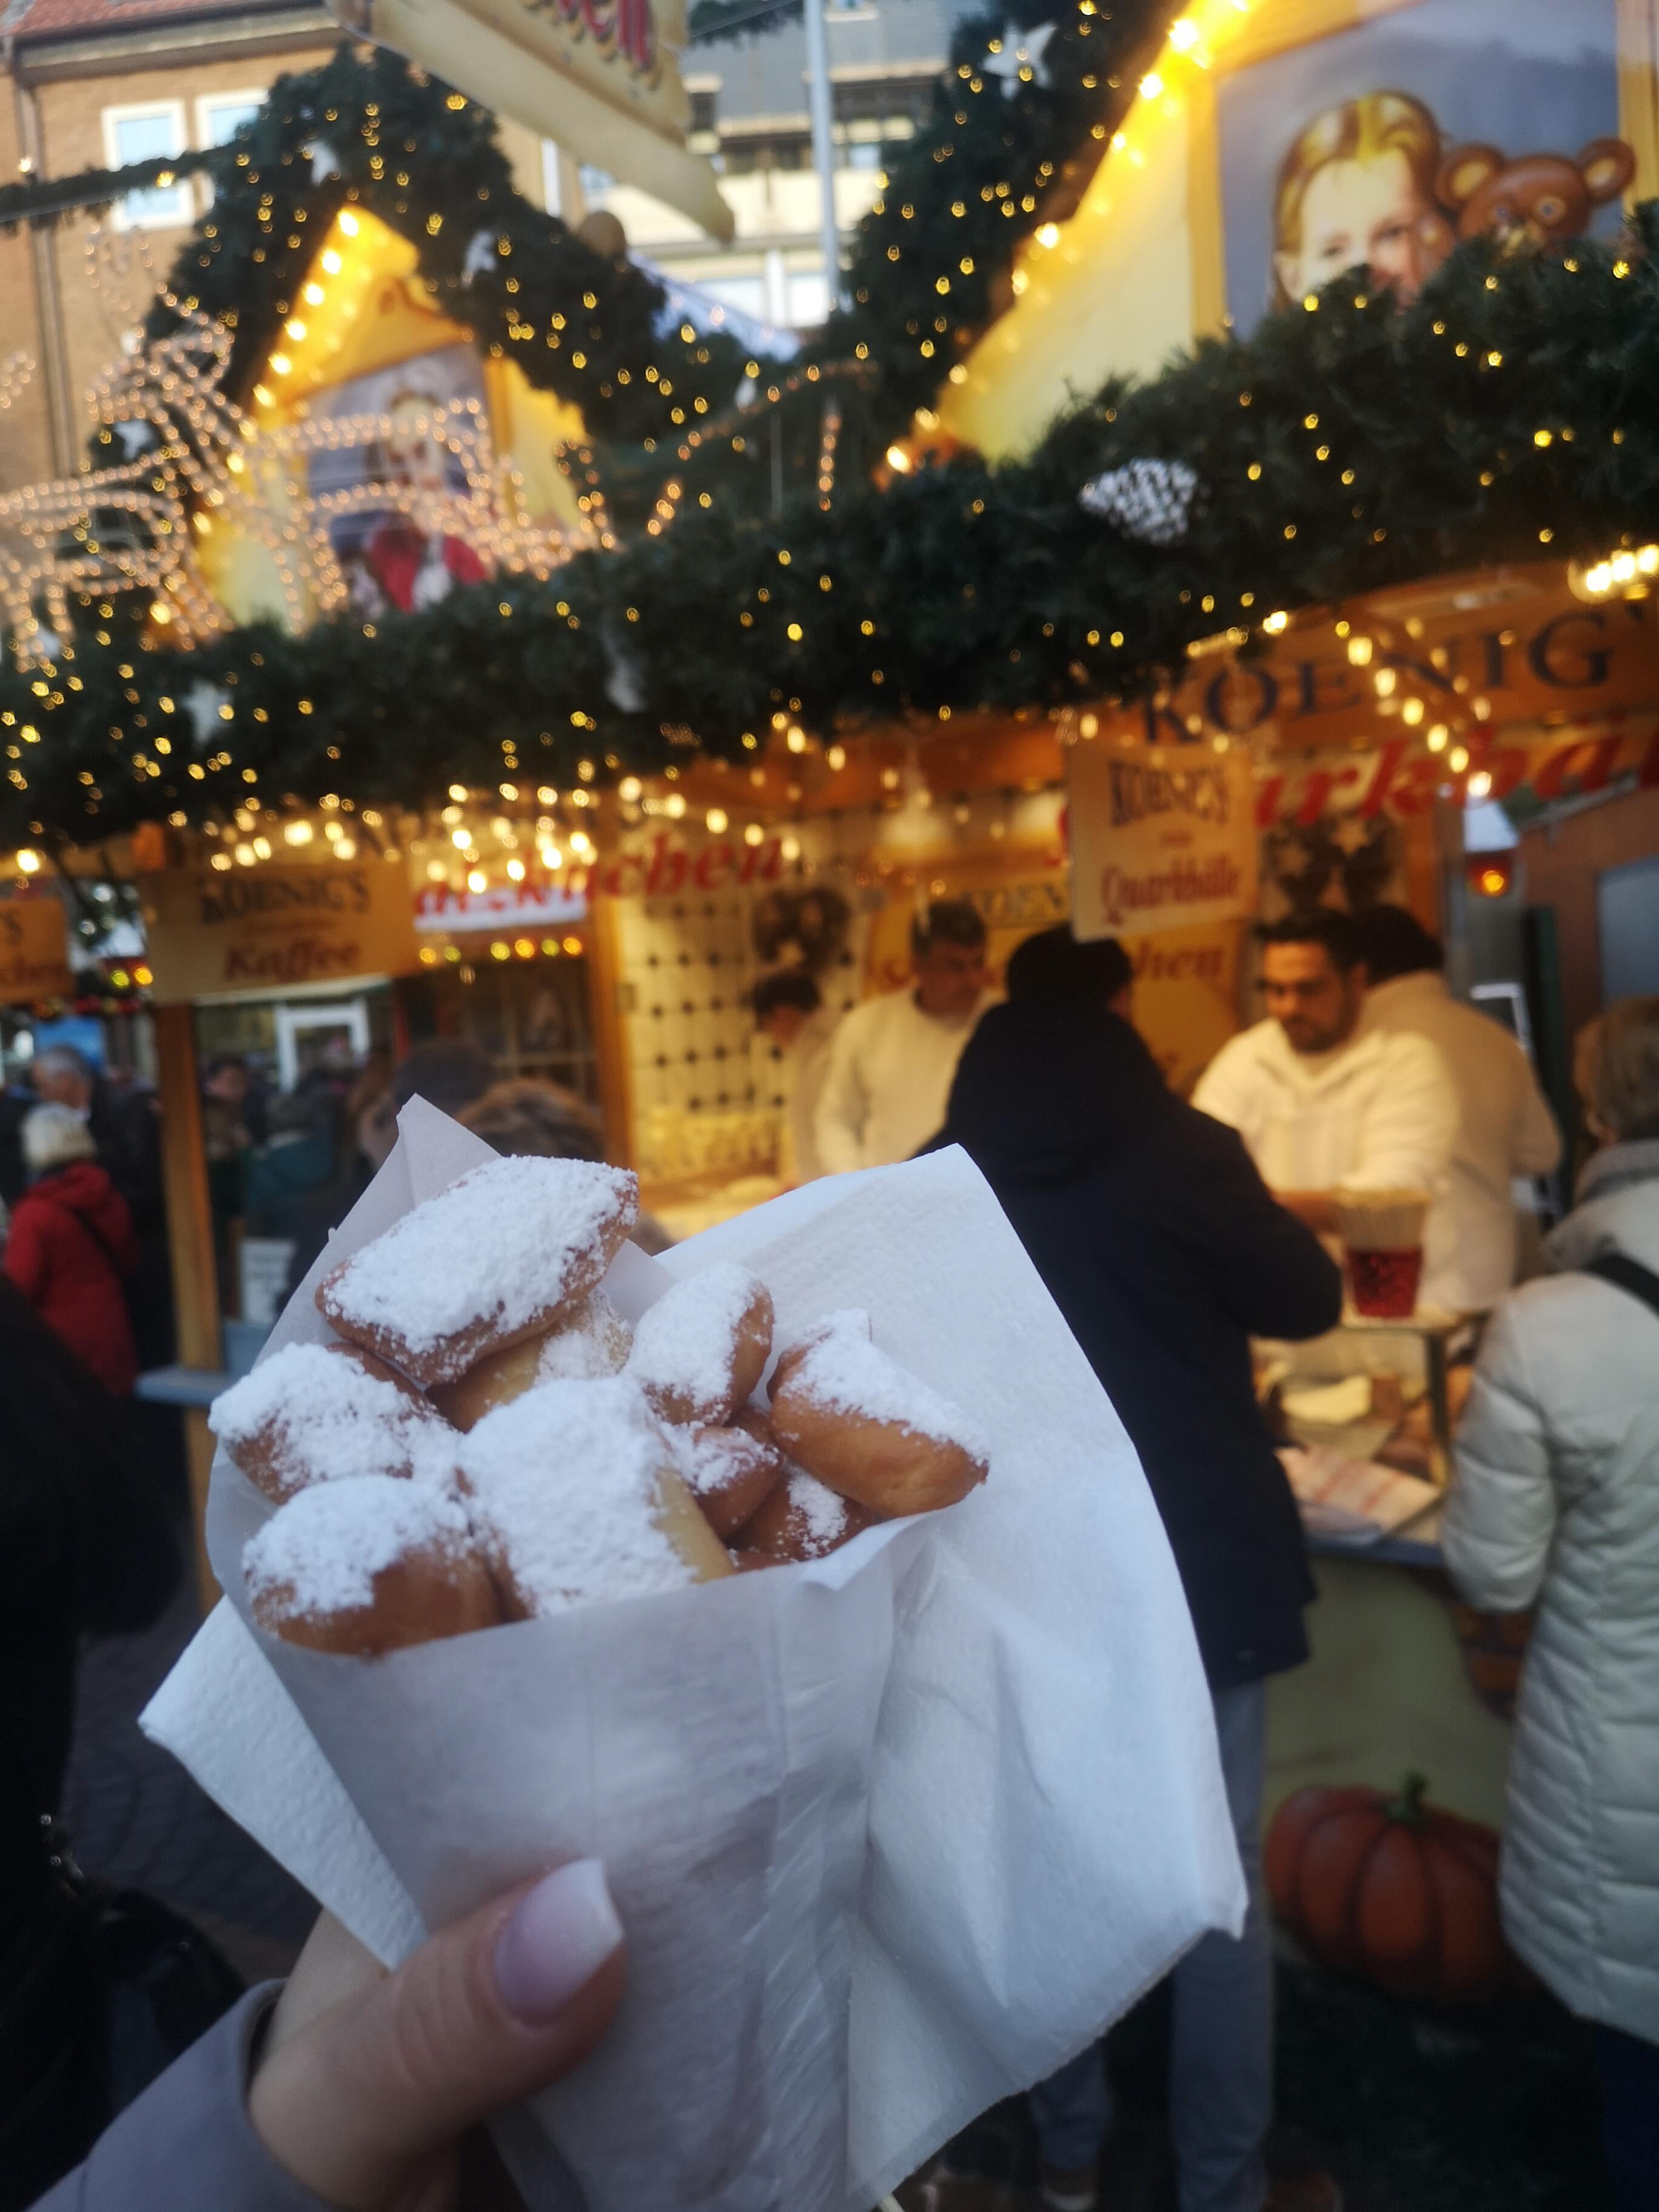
<point>1165,1251</point>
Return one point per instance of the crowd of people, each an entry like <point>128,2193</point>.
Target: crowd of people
<point>1169,1234</point>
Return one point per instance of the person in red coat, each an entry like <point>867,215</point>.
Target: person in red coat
<point>72,1244</point>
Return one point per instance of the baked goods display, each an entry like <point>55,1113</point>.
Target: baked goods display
<point>497,1257</point>
<point>317,1413</point>
<point>870,1430</point>
<point>491,1442</point>
<point>366,1565</point>
<point>701,1350</point>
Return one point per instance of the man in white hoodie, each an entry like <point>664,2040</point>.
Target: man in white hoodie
<point>1505,1128</point>
<point>893,1057</point>
<point>1324,1105</point>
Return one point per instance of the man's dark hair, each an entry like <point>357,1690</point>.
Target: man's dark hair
<point>947,921</point>
<point>1322,925</point>
<point>785,987</point>
<point>1393,943</point>
<point>1052,970</point>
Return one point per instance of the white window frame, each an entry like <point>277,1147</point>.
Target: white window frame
<point>139,111</point>
<point>252,96</point>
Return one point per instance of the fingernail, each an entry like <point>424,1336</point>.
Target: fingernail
<point>558,1938</point>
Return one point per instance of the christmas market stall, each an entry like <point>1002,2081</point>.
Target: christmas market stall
<point>477,641</point>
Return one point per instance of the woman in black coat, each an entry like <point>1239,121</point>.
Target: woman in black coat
<point>1165,1252</point>
<point>85,1548</point>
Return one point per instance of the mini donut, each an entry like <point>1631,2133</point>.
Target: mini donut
<point>729,1470</point>
<point>589,1339</point>
<point>701,1350</point>
<point>315,1412</point>
<point>747,1562</point>
<point>575,1495</point>
<point>801,1519</point>
<point>874,1432</point>
<point>493,1259</point>
<point>849,1321</point>
<point>368,1565</point>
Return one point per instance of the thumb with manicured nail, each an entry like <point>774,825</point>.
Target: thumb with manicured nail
<point>367,2080</point>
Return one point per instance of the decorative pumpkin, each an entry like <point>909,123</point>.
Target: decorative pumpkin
<point>1393,1889</point>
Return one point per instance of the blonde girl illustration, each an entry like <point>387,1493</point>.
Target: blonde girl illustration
<point>1358,186</point>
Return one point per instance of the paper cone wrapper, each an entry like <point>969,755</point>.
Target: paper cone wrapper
<point>892,1833</point>
<point>1382,1220</point>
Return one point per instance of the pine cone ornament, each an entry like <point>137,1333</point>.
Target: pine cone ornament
<point>1149,500</point>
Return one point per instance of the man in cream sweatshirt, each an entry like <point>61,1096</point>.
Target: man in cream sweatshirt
<point>893,1058</point>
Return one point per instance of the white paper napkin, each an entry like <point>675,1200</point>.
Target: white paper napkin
<point>1047,1826</point>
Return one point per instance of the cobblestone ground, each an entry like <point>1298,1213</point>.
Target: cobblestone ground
<point>137,1818</point>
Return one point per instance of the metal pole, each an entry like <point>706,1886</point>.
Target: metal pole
<point>823,151</point>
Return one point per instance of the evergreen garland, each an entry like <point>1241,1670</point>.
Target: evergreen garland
<point>1506,416</point>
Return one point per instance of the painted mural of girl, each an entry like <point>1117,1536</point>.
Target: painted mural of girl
<point>1358,185</point>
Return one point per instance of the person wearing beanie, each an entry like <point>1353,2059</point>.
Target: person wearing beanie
<point>1165,1252</point>
<point>72,1245</point>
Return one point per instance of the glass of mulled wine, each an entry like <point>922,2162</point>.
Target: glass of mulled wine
<point>1383,1242</point>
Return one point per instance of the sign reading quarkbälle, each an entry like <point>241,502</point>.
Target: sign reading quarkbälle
<point>33,951</point>
<point>274,929</point>
<point>1163,837</point>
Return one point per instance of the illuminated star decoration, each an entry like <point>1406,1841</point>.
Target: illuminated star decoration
<point>1022,61</point>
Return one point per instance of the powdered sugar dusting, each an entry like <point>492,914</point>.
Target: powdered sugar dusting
<point>500,1245</point>
<point>686,1342</point>
<point>329,1543</point>
<point>824,1512</point>
<point>323,1417</point>
<point>711,1460</point>
<point>846,1321</point>
<point>565,1485</point>
<point>596,1344</point>
<point>845,1371</point>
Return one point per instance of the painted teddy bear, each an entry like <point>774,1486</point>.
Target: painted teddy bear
<point>1543,197</point>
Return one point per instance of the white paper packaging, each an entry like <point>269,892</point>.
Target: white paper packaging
<point>892,1834</point>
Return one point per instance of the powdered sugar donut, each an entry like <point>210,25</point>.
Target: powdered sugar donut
<point>589,1341</point>
<point>315,1412</point>
<point>493,1259</point>
<point>801,1519</point>
<point>701,1350</point>
<point>872,1430</point>
<point>848,1320</point>
<point>576,1500</point>
<point>729,1470</point>
<point>368,1565</point>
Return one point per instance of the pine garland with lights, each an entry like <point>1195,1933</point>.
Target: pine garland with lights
<point>1527,432</point>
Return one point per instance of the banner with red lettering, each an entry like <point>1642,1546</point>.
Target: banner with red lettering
<point>1163,837</point>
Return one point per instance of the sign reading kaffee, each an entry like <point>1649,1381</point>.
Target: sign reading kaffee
<point>1162,838</point>
<point>33,951</point>
<point>274,929</point>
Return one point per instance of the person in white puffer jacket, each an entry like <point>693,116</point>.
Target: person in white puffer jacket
<point>1555,1500</point>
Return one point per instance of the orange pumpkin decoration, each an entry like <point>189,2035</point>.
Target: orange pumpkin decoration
<point>1391,1888</point>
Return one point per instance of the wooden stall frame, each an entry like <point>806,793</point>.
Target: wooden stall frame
<point>190,1243</point>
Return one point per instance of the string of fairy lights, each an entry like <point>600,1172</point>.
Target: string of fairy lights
<point>727,629</point>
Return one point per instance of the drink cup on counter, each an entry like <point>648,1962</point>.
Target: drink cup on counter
<point>1383,1242</point>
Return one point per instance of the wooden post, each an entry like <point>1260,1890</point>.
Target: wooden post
<point>605,1010</point>
<point>189,1240</point>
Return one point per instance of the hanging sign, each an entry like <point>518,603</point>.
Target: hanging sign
<point>600,78</point>
<point>33,951</point>
<point>1162,837</point>
<point>268,930</point>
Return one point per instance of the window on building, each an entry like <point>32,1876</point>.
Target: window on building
<point>221,115</point>
<point>809,299</point>
<point>148,134</point>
